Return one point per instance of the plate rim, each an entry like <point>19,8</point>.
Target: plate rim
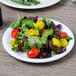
<point>45,60</point>
<point>35,7</point>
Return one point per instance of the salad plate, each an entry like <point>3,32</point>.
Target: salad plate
<point>43,4</point>
<point>22,55</point>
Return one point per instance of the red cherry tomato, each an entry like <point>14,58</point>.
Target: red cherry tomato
<point>63,35</point>
<point>32,53</point>
<point>43,30</point>
<point>14,33</point>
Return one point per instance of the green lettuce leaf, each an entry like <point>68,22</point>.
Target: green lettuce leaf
<point>15,25</point>
<point>48,21</point>
<point>34,41</point>
<point>47,33</point>
<point>27,22</point>
<point>43,40</point>
<point>18,37</point>
<point>24,28</point>
<point>26,46</point>
<point>15,49</point>
<point>68,38</point>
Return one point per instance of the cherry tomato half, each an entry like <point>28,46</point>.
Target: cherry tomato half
<point>32,53</point>
<point>14,33</point>
<point>43,30</point>
<point>63,35</point>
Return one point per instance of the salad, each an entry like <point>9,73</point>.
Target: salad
<point>38,38</point>
<point>26,2</point>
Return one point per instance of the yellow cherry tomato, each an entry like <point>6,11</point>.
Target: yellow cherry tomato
<point>20,41</point>
<point>39,24</point>
<point>16,45</point>
<point>32,32</point>
<point>56,42</point>
<point>12,42</point>
<point>63,42</point>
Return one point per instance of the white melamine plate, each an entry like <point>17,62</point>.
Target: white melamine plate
<point>43,4</point>
<point>22,56</point>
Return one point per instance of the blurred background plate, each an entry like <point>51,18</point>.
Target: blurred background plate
<point>44,3</point>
